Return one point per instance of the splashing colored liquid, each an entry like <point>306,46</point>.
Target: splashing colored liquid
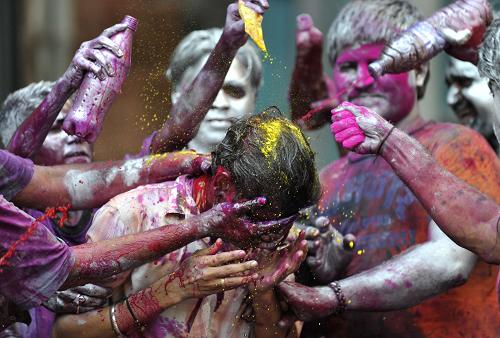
<point>51,213</point>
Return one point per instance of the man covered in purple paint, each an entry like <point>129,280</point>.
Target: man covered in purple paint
<point>405,266</point>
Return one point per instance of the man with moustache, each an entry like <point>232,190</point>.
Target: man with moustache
<point>470,99</point>
<point>403,258</point>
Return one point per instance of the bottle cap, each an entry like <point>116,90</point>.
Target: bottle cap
<point>131,22</point>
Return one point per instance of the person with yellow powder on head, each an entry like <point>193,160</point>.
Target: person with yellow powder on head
<point>263,155</point>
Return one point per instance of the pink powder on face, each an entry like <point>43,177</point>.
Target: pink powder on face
<point>392,95</point>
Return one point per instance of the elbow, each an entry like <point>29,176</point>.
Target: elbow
<point>457,274</point>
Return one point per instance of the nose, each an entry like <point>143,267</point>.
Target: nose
<point>80,130</point>
<point>453,95</point>
<point>221,102</point>
<point>364,78</point>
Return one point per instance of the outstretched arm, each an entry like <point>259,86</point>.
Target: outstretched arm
<point>467,216</point>
<point>196,99</point>
<point>405,280</point>
<point>308,83</point>
<point>30,135</point>
<point>86,186</point>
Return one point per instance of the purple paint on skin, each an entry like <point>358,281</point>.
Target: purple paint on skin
<point>95,96</point>
<point>391,93</point>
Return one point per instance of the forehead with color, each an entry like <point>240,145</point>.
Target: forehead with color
<point>459,68</point>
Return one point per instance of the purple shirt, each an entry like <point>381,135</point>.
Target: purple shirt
<point>15,174</point>
<point>39,265</point>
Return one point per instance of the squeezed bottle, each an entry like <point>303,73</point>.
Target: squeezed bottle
<point>94,97</point>
<point>423,40</point>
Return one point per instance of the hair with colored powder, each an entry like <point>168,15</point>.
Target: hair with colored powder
<point>267,155</point>
<point>489,55</point>
<point>199,44</point>
<point>362,22</point>
<point>19,105</point>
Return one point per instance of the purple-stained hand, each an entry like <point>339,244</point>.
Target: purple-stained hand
<point>228,221</point>
<point>308,303</point>
<point>79,299</point>
<point>90,58</point>
<point>358,128</point>
<point>329,251</point>
<point>276,265</point>
<point>234,28</point>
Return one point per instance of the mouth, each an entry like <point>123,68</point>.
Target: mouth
<point>221,123</point>
<point>76,157</point>
<point>465,112</point>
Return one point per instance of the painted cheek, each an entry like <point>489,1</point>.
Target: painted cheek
<point>402,95</point>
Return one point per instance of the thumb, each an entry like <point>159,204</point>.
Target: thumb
<point>211,250</point>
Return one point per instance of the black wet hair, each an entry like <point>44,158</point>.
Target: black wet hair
<point>267,155</point>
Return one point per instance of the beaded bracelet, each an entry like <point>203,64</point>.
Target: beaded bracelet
<point>340,298</point>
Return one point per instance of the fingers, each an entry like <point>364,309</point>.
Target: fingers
<point>109,32</point>
<point>88,65</point>
<point>229,283</point>
<point>343,124</point>
<point>322,223</point>
<point>354,141</point>
<point>311,233</point>
<point>456,37</point>
<point>109,44</point>
<point>304,22</point>
<point>347,133</point>
<point>211,250</point>
<point>102,61</point>
<point>240,209</point>
<point>230,269</point>
<point>224,257</point>
<point>349,242</point>
<point>257,8</point>
<point>93,290</point>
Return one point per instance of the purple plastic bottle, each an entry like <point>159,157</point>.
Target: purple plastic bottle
<point>94,97</point>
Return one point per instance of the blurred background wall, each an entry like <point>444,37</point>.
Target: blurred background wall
<point>38,39</point>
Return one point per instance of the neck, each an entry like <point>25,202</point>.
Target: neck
<point>201,187</point>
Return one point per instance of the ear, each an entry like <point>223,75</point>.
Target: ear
<point>224,188</point>
<point>422,74</point>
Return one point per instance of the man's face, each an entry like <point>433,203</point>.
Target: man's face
<point>61,148</point>
<point>235,100</point>
<point>469,96</point>
<point>391,96</point>
<point>495,89</point>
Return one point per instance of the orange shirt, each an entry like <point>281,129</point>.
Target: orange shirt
<point>363,196</point>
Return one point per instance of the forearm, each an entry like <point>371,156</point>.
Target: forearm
<point>308,85</point>
<point>194,102</point>
<point>95,262</point>
<point>408,279</point>
<point>466,215</point>
<point>30,136</point>
<point>267,315</point>
<point>86,186</point>
<point>146,305</point>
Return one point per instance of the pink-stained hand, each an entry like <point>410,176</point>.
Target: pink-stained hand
<point>307,303</point>
<point>229,221</point>
<point>276,265</point>
<point>358,128</point>
<point>234,28</point>
<point>79,299</point>
<point>89,57</point>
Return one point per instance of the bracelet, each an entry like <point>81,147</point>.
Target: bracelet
<point>340,298</point>
<point>138,325</point>
<point>384,139</point>
<point>114,323</point>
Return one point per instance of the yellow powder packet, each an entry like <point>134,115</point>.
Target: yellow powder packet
<point>253,25</point>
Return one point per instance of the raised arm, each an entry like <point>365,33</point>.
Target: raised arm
<point>308,83</point>
<point>86,186</point>
<point>29,137</point>
<point>196,99</point>
<point>467,216</point>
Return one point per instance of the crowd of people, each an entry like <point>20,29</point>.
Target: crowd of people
<point>221,225</point>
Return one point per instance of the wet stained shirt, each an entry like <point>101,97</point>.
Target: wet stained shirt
<point>149,207</point>
<point>363,196</point>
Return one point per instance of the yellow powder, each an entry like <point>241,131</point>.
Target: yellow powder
<point>149,161</point>
<point>253,25</point>
<point>272,132</point>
